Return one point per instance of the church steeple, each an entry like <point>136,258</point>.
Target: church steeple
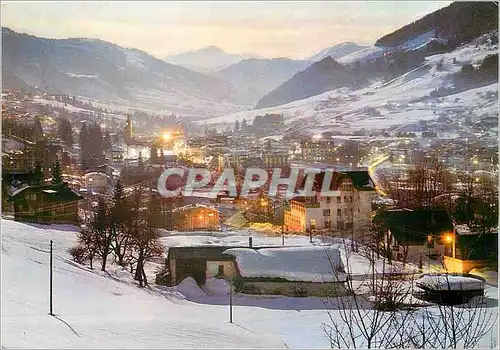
<point>128,129</point>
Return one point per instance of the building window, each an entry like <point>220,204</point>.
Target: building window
<point>328,200</point>
<point>339,200</point>
<point>340,225</point>
<point>328,222</point>
<point>220,271</point>
<point>313,224</point>
<point>339,213</point>
<point>326,212</point>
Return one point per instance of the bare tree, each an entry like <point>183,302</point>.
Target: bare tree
<point>144,237</point>
<point>99,223</point>
<point>365,316</point>
<point>376,312</point>
<point>120,221</point>
<point>88,239</point>
<point>448,326</point>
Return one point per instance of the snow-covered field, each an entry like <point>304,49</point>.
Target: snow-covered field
<point>107,310</point>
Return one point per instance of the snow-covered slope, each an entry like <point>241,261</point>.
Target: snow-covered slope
<point>253,78</point>
<point>336,51</point>
<point>95,309</point>
<point>381,105</point>
<point>107,310</point>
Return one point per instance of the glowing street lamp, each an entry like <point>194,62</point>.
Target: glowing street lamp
<point>450,238</point>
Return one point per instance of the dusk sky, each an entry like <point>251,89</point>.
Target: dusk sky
<point>270,29</point>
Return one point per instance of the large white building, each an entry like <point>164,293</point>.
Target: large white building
<point>349,204</point>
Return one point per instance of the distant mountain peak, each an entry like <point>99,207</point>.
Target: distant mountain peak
<point>337,51</point>
<point>210,58</point>
<point>211,48</point>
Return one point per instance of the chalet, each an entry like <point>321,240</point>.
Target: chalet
<point>196,217</point>
<point>97,181</point>
<point>350,204</point>
<point>46,204</point>
<point>291,271</point>
<point>473,250</point>
<point>199,263</point>
<point>415,234</point>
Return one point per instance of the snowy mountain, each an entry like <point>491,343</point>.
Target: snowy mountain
<point>458,23</point>
<point>210,58</point>
<point>434,88</point>
<point>394,54</point>
<point>103,71</point>
<point>253,78</point>
<point>336,51</point>
<point>321,76</point>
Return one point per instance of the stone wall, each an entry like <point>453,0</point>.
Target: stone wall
<point>291,288</point>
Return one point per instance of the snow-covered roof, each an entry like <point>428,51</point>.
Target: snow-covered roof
<point>448,282</point>
<point>193,206</point>
<point>308,264</point>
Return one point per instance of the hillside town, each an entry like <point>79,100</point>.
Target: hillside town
<point>354,204</point>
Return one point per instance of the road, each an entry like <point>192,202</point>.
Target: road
<point>371,171</point>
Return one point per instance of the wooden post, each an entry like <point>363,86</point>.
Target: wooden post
<point>231,300</point>
<point>282,235</point>
<point>283,225</point>
<point>50,285</point>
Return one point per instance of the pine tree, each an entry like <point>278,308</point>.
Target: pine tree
<point>66,133</point>
<point>244,125</point>
<point>56,173</point>
<point>37,130</point>
<point>153,153</point>
<point>155,218</point>
<point>140,162</point>
<point>236,126</point>
<point>84,145</point>
<point>38,175</point>
<point>107,141</point>
<point>120,220</point>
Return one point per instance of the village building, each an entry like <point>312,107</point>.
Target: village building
<point>291,271</point>
<point>196,217</point>
<point>349,205</point>
<point>48,204</point>
<point>317,149</point>
<point>414,235</point>
<point>276,159</point>
<point>96,182</point>
<point>198,262</point>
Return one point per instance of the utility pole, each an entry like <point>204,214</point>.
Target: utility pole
<point>231,300</point>
<point>51,313</point>
<point>283,224</point>
<point>282,234</point>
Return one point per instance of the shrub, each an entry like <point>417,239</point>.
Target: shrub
<point>78,253</point>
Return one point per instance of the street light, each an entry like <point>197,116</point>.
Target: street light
<point>450,238</point>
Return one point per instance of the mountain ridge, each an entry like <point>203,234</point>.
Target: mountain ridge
<point>101,70</point>
<point>336,51</point>
<point>209,58</point>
